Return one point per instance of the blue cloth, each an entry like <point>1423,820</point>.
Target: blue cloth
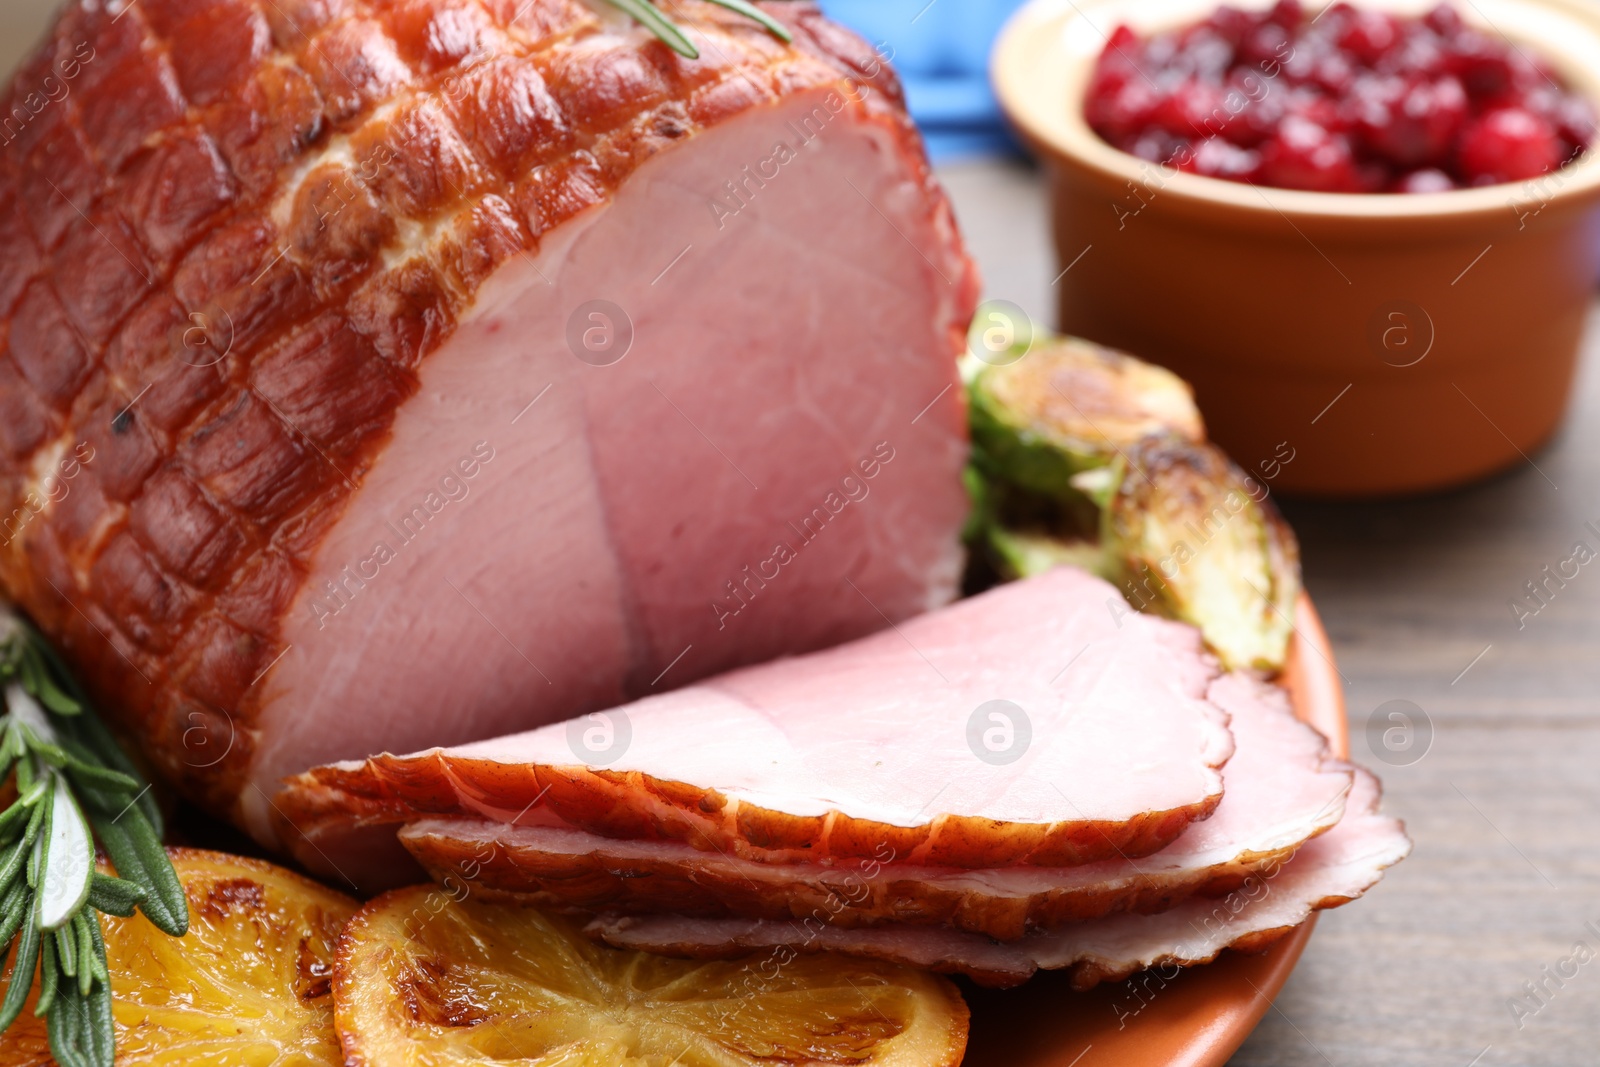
<point>941,50</point>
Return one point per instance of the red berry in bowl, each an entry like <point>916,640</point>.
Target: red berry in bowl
<point>1411,122</point>
<point>1444,20</point>
<point>1287,13</point>
<point>1370,35</point>
<point>1193,109</point>
<point>1508,145</point>
<point>1216,158</point>
<point>1482,63</point>
<point>1303,155</point>
<point>1427,180</point>
<point>1124,111</point>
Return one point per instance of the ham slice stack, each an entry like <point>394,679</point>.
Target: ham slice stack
<point>1032,778</point>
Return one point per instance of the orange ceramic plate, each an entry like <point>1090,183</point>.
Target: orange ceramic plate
<point>1196,1019</point>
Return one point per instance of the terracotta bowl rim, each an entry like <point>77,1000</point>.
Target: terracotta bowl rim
<point>1063,133</point>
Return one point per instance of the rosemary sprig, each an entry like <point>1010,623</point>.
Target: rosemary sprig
<point>69,775</point>
<point>649,15</point>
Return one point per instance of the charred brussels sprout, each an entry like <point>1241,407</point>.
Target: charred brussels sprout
<point>1198,540</point>
<point>1069,406</point>
<point>1089,457</point>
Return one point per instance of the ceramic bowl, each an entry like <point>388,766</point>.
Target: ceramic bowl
<point>1383,343</point>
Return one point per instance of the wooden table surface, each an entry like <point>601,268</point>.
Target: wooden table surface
<point>1503,807</point>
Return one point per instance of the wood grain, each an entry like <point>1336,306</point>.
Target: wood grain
<point>1502,807</point>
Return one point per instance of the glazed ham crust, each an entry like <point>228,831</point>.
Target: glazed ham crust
<point>214,305</point>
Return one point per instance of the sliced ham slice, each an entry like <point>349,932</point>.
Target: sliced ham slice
<point>1281,788</point>
<point>384,375</point>
<point>872,746</point>
<point>1331,870</point>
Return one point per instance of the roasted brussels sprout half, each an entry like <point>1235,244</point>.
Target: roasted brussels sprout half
<point>1198,540</point>
<point>1089,457</point>
<point>1069,406</point>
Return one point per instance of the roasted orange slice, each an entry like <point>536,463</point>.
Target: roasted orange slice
<point>248,986</point>
<point>424,980</point>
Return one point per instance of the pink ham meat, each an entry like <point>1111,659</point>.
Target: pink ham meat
<point>1331,870</point>
<point>380,374</point>
<point>1107,747</point>
<point>1281,788</point>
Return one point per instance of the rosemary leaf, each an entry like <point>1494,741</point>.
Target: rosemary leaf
<point>49,978</point>
<point>39,833</point>
<point>39,682</point>
<point>85,949</point>
<point>115,896</point>
<point>90,732</point>
<point>21,973</point>
<point>84,766</point>
<point>66,939</point>
<point>646,13</point>
<point>137,854</point>
<point>26,777</point>
<point>14,907</point>
<point>22,809</point>
<point>750,11</point>
<point>11,861</point>
<point>50,752</point>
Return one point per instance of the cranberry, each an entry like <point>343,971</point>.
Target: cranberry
<point>1334,74</point>
<point>1410,123</point>
<point>1303,155</point>
<point>1482,63</point>
<point>1232,24</point>
<point>1444,20</point>
<point>1371,35</point>
<point>1193,109</point>
<point>1312,106</point>
<point>1571,115</point>
<point>1427,180</point>
<point>1206,54</point>
<point>1216,158</point>
<point>1157,146</point>
<point>1124,111</point>
<point>1287,13</point>
<point>1267,48</point>
<point>1508,145</point>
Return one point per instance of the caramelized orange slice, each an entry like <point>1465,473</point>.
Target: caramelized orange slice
<point>426,981</point>
<point>248,986</point>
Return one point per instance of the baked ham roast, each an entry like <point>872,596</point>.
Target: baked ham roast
<point>1030,726</point>
<point>380,374</point>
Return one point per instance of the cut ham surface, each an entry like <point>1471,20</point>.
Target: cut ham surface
<point>1331,870</point>
<point>1281,788</point>
<point>390,374</point>
<point>1031,725</point>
